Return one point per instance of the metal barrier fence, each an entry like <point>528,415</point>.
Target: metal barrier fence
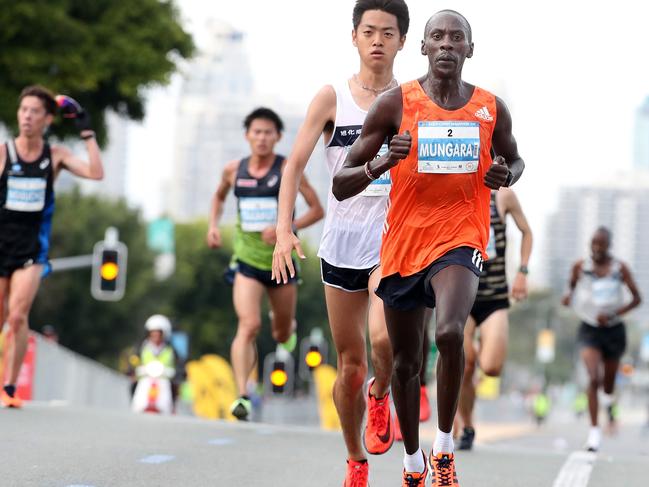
<point>60,374</point>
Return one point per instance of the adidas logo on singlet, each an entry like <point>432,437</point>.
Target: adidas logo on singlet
<point>484,114</point>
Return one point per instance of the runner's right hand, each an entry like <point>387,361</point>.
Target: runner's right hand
<point>399,148</point>
<point>282,259</point>
<point>214,238</point>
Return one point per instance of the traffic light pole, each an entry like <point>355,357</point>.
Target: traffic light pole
<point>71,263</point>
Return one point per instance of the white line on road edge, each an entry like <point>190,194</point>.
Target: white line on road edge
<point>221,441</point>
<point>577,469</point>
<point>157,459</point>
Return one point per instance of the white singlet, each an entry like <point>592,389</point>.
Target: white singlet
<point>352,230</point>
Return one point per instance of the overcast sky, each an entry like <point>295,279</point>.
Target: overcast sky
<point>572,72</point>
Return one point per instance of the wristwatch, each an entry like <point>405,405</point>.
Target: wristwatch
<point>523,270</point>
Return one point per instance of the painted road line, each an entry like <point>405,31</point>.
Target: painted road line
<point>221,441</point>
<point>156,459</point>
<point>577,469</point>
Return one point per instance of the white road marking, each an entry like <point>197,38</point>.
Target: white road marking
<point>155,459</point>
<point>221,441</point>
<point>577,469</point>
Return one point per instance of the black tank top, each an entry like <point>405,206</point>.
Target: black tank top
<point>27,202</point>
<point>257,197</point>
<point>493,280</point>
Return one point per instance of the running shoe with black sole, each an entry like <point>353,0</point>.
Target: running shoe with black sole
<point>466,440</point>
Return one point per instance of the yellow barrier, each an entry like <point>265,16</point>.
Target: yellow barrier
<point>324,377</point>
<point>488,387</point>
<point>213,387</point>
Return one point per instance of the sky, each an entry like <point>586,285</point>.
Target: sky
<point>572,73</point>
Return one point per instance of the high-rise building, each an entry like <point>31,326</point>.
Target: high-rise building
<point>623,208</point>
<point>216,95</point>
<point>641,138</point>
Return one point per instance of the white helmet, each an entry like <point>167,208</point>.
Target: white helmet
<point>159,322</point>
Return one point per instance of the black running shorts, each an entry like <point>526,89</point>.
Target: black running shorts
<point>610,340</point>
<point>410,292</point>
<point>264,277</point>
<point>484,309</point>
<point>351,280</point>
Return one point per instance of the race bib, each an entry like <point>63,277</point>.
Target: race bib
<point>25,194</point>
<point>380,186</point>
<point>491,246</point>
<point>257,213</point>
<point>606,292</point>
<point>448,147</point>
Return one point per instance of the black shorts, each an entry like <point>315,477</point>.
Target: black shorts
<point>484,309</point>
<point>410,292</point>
<point>611,341</point>
<point>264,277</point>
<point>351,280</point>
<point>10,264</point>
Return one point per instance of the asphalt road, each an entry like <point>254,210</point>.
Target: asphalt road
<point>49,446</point>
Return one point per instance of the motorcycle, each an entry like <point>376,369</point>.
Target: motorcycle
<point>153,390</point>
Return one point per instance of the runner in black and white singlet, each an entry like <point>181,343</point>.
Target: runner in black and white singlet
<point>29,166</point>
<point>351,240</point>
<point>256,181</point>
<point>596,291</point>
<point>488,320</point>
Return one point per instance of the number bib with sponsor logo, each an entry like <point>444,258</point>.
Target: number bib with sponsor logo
<point>380,186</point>
<point>257,213</point>
<point>26,194</point>
<point>447,147</point>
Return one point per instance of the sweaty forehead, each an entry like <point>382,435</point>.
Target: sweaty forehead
<point>447,21</point>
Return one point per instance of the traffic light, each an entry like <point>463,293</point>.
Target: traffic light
<point>313,357</point>
<point>279,373</point>
<point>109,259</point>
<point>278,376</point>
<point>313,353</point>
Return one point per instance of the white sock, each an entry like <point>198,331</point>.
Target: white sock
<point>414,462</point>
<point>443,443</point>
<point>607,400</point>
<point>594,437</point>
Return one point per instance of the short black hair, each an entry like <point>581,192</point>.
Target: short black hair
<point>457,14</point>
<point>43,94</point>
<point>605,231</point>
<point>398,8</point>
<point>266,114</point>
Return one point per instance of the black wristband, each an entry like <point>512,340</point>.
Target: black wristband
<point>510,178</point>
<point>88,136</point>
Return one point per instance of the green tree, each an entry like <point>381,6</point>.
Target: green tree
<point>93,328</point>
<point>101,52</point>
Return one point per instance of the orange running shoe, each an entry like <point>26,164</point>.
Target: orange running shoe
<point>424,405</point>
<point>357,474</point>
<point>379,431</point>
<point>10,402</point>
<point>415,479</point>
<point>442,470</point>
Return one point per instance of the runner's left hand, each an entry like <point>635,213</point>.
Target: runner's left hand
<point>496,176</point>
<point>519,287</point>
<point>603,319</point>
<point>269,236</point>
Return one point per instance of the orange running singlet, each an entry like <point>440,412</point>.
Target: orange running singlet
<point>439,201</point>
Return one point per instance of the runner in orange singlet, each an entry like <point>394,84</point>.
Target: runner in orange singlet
<point>441,131</point>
